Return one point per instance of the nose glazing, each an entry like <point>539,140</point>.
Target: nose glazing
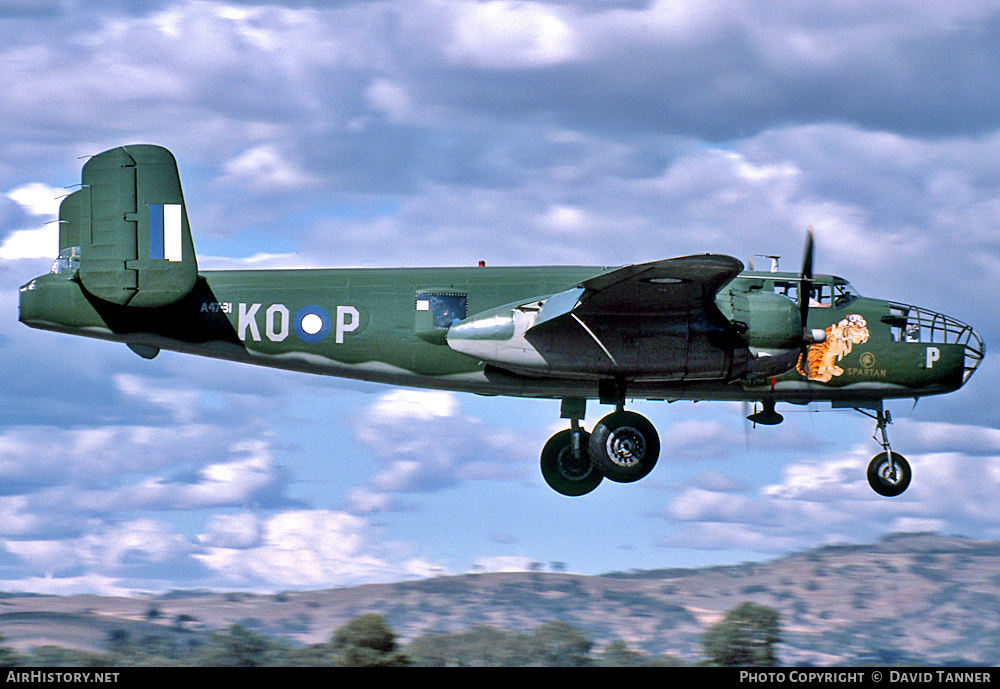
<point>915,324</point>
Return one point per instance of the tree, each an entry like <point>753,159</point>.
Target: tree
<point>618,654</point>
<point>366,641</point>
<point>745,637</point>
<point>239,647</point>
<point>553,644</point>
<point>8,656</point>
<point>557,644</point>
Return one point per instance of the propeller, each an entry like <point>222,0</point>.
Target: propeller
<point>767,415</point>
<point>809,336</point>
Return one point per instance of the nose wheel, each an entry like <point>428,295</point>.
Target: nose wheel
<point>889,475</point>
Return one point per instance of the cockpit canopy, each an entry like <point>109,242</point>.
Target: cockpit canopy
<point>826,291</point>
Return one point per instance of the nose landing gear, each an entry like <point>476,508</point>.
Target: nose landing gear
<point>888,472</point>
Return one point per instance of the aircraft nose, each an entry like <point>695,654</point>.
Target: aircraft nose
<point>916,324</point>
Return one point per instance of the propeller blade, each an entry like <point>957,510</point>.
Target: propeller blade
<point>805,289</point>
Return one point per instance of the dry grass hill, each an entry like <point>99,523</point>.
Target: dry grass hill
<point>913,599</point>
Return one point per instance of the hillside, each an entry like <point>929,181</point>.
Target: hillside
<point>921,599</point>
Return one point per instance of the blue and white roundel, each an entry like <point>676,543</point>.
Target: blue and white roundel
<point>311,323</point>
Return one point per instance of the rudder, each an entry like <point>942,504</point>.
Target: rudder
<point>128,228</point>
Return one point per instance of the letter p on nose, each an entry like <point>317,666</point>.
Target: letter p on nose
<point>933,354</point>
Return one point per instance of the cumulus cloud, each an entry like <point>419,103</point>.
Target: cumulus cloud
<point>502,34</point>
<point>264,167</point>
<point>825,499</point>
<point>427,445</point>
<point>40,204</point>
<point>314,548</point>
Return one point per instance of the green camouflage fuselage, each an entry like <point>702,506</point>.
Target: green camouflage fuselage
<point>367,324</point>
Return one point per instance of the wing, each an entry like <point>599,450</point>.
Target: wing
<point>659,287</point>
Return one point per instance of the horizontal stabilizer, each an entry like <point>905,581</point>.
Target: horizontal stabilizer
<point>129,228</point>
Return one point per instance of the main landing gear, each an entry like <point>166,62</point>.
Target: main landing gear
<point>623,447</point>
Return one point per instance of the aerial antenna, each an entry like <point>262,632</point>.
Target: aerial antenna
<point>612,247</point>
<point>774,261</point>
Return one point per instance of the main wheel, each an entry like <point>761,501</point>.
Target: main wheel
<point>567,472</point>
<point>624,446</point>
<point>883,479</point>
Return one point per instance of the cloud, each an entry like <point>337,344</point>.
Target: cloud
<point>427,445</point>
<point>250,478</point>
<point>264,168</point>
<point>502,563</point>
<point>314,548</point>
<point>39,204</point>
<point>501,34</point>
<point>37,198</point>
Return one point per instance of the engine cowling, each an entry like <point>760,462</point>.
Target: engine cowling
<point>526,338</point>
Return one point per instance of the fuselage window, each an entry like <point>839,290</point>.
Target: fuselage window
<point>446,309</point>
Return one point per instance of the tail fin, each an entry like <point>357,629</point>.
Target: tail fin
<point>128,228</point>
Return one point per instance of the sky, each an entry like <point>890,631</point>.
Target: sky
<point>444,132</point>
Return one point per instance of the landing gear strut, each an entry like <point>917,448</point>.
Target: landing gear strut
<point>888,472</point>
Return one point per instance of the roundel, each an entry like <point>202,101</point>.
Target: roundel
<point>311,323</point>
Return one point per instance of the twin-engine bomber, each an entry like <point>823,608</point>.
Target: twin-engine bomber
<point>689,328</point>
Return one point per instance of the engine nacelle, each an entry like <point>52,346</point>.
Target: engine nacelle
<point>497,337</point>
<point>526,338</point>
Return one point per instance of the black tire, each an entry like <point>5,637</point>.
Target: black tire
<point>881,481</point>
<point>563,471</point>
<point>624,446</point>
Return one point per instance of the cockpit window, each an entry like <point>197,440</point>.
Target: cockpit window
<point>820,295</point>
<point>839,294</point>
<point>843,294</point>
<point>788,289</point>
